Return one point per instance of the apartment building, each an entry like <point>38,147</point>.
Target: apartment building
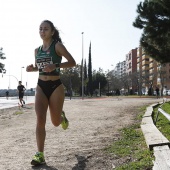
<point>119,70</point>
<point>131,61</point>
<point>139,59</point>
<point>131,69</point>
<point>144,72</point>
<point>163,79</point>
<point>148,71</point>
<point>152,74</point>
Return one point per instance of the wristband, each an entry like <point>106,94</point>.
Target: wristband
<point>57,65</point>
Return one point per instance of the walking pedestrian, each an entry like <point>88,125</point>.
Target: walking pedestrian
<point>21,89</point>
<point>49,90</point>
<point>157,92</point>
<point>118,93</point>
<point>7,94</point>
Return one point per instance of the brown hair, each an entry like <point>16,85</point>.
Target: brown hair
<point>56,35</point>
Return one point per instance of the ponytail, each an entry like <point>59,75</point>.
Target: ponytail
<point>56,35</point>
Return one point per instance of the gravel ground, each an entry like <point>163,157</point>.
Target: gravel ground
<point>94,125</point>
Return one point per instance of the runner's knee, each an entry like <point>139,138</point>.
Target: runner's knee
<point>41,121</point>
<point>56,122</point>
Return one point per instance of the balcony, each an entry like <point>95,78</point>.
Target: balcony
<point>145,57</point>
<point>151,65</point>
<point>145,62</point>
<point>151,59</point>
<point>150,78</point>
<point>145,68</point>
<point>151,71</point>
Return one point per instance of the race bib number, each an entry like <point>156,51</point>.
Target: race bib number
<point>42,62</point>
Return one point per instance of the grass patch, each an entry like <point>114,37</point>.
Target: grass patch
<point>18,112</point>
<point>163,124</point>
<point>132,148</point>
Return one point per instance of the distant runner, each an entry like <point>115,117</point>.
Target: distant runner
<point>21,90</point>
<point>7,94</point>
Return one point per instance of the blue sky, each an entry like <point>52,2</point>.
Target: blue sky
<point>107,24</point>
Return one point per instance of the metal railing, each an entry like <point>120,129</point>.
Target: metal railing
<point>160,110</point>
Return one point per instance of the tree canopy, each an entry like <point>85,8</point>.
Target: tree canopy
<point>90,84</point>
<point>154,18</point>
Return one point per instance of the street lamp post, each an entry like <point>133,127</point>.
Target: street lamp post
<point>82,69</point>
<point>9,76</point>
<point>21,73</point>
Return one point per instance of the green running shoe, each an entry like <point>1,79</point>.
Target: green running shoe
<point>65,122</point>
<point>38,159</point>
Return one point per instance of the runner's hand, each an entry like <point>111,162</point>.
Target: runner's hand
<point>49,68</point>
<point>30,68</point>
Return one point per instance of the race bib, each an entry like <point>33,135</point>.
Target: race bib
<point>42,62</point>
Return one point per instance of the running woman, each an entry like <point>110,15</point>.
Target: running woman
<point>49,90</point>
<point>21,89</point>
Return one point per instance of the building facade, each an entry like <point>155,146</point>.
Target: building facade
<point>143,72</point>
<point>131,70</point>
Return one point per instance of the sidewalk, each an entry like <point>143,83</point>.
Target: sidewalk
<point>13,101</point>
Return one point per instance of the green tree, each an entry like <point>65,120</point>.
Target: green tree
<point>154,18</point>
<point>71,79</point>
<point>81,74</point>
<point>99,79</point>
<point>85,78</point>
<point>90,85</point>
<point>85,70</point>
<point>2,57</point>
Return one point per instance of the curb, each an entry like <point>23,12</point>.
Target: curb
<point>156,141</point>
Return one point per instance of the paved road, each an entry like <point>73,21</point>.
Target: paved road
<point>13,101</point>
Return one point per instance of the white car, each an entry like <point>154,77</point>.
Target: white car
<point>168,92</point>
<point>165,92</point>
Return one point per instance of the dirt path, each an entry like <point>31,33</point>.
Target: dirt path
<point>94,124</point>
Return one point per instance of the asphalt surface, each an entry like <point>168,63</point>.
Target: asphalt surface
<point>13,101</point>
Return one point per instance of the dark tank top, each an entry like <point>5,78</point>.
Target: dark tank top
<point>49,56</point>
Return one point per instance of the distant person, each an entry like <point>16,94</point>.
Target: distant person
<point>7,94</point>
<point>21,89</point>
<point>49,90</point>
<point>117,93</point>
<point>157,92</point>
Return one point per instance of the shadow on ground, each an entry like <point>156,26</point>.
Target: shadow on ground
<point>81,163</point>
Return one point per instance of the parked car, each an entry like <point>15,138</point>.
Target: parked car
<point>168,92</point>
<point>165,92</point>
<point>136,93</point>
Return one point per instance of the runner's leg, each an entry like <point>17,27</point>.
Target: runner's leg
<point>56,105</point>
<point>41,106</point>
